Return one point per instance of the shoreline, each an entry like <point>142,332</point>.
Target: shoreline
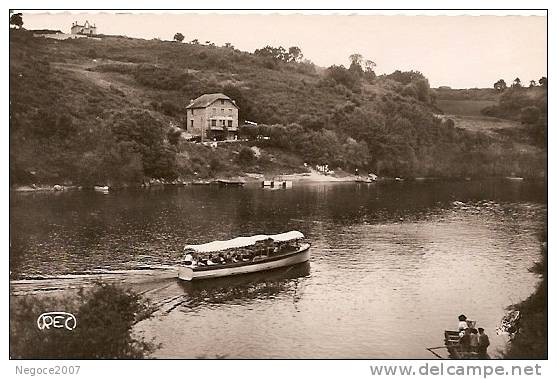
<point>311,176</point>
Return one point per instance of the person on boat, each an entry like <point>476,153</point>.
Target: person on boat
<point>483,343</point>
<point>211,260</point>
<point>188,260</point>
<point>465,340</point>
<point>462,324</point>
<point>474,340</point>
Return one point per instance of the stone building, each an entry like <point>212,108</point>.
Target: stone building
<point>212,116</point>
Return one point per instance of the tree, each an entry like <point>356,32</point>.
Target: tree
<point>342,76</point>
<point>405,77</point>
<point>369,65</point>
<point>295,54</point>
<point>195,41</point>
<point>275,53</point>
<point>500,85</point>
<point>17,20</point>
<point>228,45</point>
<point>356,59</point>
<point>516,83</point>
<point>179,37</point>
<point>532,83</point>
<point>543,81</point>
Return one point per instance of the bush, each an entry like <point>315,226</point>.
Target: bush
<point>105,317</point>
<point>530,115</point>
<point>246,156</point>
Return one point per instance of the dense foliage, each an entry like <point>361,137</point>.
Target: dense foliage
<point>527,104</point>
<point>105,317</point>
<point>108,111</point>
<point>531,341</point>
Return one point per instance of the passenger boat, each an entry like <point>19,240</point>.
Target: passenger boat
<point>249,254</point>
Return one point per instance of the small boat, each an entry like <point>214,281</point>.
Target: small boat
<point>263,252</point>
<point>201,182</point>
<point>364,180</point>
<point>103,189</point>
<point>515,178</point>
<point>230,183</point>
<point>455,348</point>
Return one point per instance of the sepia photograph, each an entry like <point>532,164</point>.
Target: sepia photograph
<point>223,184</point>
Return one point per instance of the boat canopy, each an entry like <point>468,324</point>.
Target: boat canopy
<point>243,242</point>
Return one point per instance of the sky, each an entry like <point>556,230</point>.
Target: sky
<point>456,51</point>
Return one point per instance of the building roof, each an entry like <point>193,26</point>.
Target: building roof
<point>204,101</point>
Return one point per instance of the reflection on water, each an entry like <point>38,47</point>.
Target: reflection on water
<point>391,265</point>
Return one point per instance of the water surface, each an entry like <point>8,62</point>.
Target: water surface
<point>392,264</point>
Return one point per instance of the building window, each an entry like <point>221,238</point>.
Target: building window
<point>213,122</point>
<point>229,122</point>
<point>229,110</point>
<point>222,110</point>
<point>222,102</point>
<point>214,110</point>
<point>191,124</point>
<point>191,112</point>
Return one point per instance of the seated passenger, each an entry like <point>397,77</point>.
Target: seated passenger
<point>211,260</point>
<point>474,340</point>
<point>188,259</point>
<point>462,324</point>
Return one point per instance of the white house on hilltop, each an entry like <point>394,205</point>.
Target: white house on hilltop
<point>86,29</point>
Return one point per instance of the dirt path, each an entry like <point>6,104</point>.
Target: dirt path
<point>104,80</point>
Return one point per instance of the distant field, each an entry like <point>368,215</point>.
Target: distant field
<point>464,107</point>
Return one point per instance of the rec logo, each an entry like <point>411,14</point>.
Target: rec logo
<point>56,320</point>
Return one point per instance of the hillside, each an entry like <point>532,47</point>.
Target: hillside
<point>109,111</point>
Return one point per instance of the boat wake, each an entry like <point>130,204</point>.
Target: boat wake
<point>160,286</point>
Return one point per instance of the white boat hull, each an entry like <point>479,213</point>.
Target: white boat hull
<point>189,274</point>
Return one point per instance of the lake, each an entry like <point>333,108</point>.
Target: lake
<point>392,264</point>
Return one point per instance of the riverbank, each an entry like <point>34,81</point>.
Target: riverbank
<point>531,341</point>
<point>311,175</point>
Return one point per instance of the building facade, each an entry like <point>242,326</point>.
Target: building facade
<point>213,117</point>
<point>86,29</point>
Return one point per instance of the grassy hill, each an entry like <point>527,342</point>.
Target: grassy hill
<point>109,111</point>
